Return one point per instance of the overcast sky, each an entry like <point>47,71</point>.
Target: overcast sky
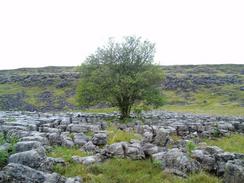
<point>36,33</point>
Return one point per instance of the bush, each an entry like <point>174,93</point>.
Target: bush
<point>3,158</point>
<point>190,146</point>
<point>4,154</point>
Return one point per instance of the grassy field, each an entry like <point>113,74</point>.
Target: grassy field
<point>120,170</point>
<point>233,143</point>
<point>216,99</point>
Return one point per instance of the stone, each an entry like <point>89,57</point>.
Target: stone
<point>89,147</point>
<point>134,151</point>
<point>147,137</point>
<point>74,180</point>
<point>176,159</point>
<point>158,156</point>
<point>207,161</point>
<point>32,158</point>
<point>42,140</point>
<point>150,149</point>
<point>116,150</point>
<point>99,139</point>
<point>27,145</point>
<point>67,139</point>
<point>87,160</point>
<point>80,139</point>
<point>17,173</point>
<point>213,150</point>
<point>234,171</point>
<point>49,163</point>
<point>54,139</point>
<point>161,137</point>
<point>77,128</point>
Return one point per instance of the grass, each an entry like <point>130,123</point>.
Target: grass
<point>217,100</point>
<point>66,153</point>
<point>120,170</point>
<point>233,143</point>
<point>9,88</point>
<point>116,135</point>
<point>124,170</point>
<point>5,154</point>
<point>231,110</point>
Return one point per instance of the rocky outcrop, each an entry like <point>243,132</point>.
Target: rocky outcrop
<point>234,171</point>
<point>38,131</point>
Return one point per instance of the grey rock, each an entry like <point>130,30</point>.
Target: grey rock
<point>80,139</point>
<point>74,180</point>
<point>42,140</point>
<point>32,158</point>
<point>77,128</point>
<point>87,160</point>
<point>147,137</point>
<point>234,171</point>
<point>17,173</point>
<point>89,147</point>
<point>99,139</point>
<point>66,139</point>
<point>207,161</point>
<point>213,150</point>
<point>134,151</point>
<point>54,138</point>
<point>161,136</point>
<point>150,149</point>
<point>116,150</point>
<point>27,145</point>
<point>176,159</point>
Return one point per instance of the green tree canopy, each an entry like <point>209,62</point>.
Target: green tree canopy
<point>121,73</point>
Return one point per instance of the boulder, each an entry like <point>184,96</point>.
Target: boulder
<point>27,145</point>
<point>67,139</point>
<point>17,173</point>
<point>74,180</point>
<point>162,135</point>
<point>32,158</point>
<point>134,151</point>
<point>116,150</point>
<point>176,159</point>
<point>87,160</point>
<point>222,159</point>
<point>213,150</point>
<point>89,147</point>
<point>207,161</point>
<point>147,137</point>
<point>80,139</point>
<point>77,128</point>
<point>42,140</point>
<point>99,139</point>
<point>54,138</point>
<point>234,171</point>
<point>150,149</point>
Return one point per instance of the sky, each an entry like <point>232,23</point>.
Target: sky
<point>37,33</point>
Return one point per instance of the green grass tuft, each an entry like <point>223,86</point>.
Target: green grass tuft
<point>66,153</point>
<point>116,135</point>
<point>124,170</point>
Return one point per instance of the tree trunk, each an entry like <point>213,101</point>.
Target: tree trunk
<point>125,111</point>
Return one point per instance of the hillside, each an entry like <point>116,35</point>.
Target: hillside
<point>213,89</point>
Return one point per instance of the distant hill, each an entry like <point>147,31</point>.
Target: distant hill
<point>193,88</point>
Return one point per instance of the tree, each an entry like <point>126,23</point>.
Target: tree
<point>121,73</point>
